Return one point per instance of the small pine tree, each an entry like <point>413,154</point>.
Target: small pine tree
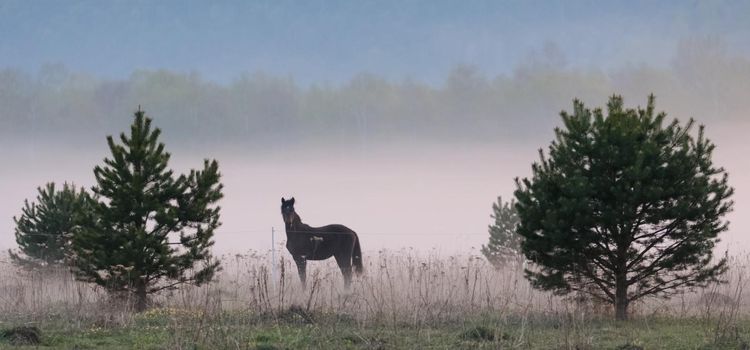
<point>131,247</point>
<point>504,247</point>
<point>626,206</point>
<point>45,227</point>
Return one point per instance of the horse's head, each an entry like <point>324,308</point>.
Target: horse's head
<point>287,212</point>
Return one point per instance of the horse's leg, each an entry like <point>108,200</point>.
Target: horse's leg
<point>344,261</point>
<point>301,268</point>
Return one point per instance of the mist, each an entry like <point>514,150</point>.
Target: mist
<point>706,80</point>
<point>406,164</point>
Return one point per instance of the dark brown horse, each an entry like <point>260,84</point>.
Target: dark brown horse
<point>320,243</point>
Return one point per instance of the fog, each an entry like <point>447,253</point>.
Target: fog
<point>404,163</point>
<point>706,80</point>
<point>400,195</point>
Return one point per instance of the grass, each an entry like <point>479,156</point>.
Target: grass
<point>233,330</point>
<point>405,301</point>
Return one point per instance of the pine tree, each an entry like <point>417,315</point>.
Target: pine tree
<point>625,206</point>
<point>45,228</point>
<point>504,247</point>
<point>153,229</point>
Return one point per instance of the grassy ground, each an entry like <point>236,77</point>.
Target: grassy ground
<point>296,329</point>
<point>404,301</point>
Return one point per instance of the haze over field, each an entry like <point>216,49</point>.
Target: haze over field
<point>404,122</point>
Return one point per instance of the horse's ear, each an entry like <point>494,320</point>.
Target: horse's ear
<point>282,200</point>
<point>292,201</point>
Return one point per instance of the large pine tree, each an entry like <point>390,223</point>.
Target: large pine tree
<point>45,227</point>
<point>625,206</point>
<point>153,229</point>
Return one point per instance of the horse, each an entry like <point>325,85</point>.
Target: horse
<point>319,243</point>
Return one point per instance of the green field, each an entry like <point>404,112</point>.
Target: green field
<point>171,329</point>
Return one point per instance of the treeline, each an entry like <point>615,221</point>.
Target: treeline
<point>57,103</point>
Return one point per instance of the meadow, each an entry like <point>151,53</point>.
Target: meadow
<point>405,300</point>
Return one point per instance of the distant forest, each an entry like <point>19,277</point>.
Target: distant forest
<point>60,105</point>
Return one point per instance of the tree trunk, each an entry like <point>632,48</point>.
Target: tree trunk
<point>621,297</point>
<point>141,298</point>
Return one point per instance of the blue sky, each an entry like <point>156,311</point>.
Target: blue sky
<point>331,41</point>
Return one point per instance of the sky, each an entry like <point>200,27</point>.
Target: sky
<point>426,193</point>
<point>331,41</point>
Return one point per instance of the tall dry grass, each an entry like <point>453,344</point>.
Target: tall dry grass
<point>402,287</point>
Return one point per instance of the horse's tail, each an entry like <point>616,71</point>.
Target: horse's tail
<point>357,257</point>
